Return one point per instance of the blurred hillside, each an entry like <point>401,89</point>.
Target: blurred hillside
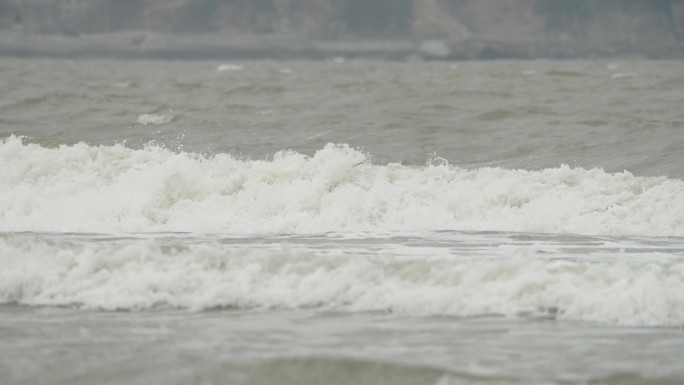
<point>655,27</point>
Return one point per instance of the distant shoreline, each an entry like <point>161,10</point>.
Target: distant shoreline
<point>146,45</point>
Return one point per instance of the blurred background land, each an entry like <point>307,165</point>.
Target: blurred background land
<point>325,29</point>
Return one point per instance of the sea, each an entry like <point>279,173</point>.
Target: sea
<point>341,222</point>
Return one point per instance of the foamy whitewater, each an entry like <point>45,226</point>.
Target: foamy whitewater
<point>97,189</point>
<point>338,190</point>
<point>140,274</point>
<point>341,222</point>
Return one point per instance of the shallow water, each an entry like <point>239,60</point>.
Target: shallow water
<point>471,223</point>
<point>312,347</point>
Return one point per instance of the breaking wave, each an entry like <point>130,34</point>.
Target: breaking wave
<point>114,189</point>
<point>144,274</point>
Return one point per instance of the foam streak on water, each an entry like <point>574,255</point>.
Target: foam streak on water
<point>113,189</point>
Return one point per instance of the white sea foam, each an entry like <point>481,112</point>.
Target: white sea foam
<point>154,119</point>
<point>113,189</point>
<point>229,67</point>
<point>147,274</point>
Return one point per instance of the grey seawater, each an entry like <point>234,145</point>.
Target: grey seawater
<point>313,345</point>
<point>531,115</point>
<point>66,346</point>
<point>623,115</point>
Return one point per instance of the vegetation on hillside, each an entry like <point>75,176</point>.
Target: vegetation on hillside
<point>325,19</point>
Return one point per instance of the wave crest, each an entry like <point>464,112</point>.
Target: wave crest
<point>113,189</point>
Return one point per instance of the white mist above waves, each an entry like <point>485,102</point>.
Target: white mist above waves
<point>143,274</point>
<point>113,189</point>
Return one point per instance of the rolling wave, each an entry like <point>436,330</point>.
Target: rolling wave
<point>142,274</point>
<point>114,189</point>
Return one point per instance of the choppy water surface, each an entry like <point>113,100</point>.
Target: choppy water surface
<point>341,222</point>
<point>623,115</point>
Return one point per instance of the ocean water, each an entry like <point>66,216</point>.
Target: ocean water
<point>341,222</point>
